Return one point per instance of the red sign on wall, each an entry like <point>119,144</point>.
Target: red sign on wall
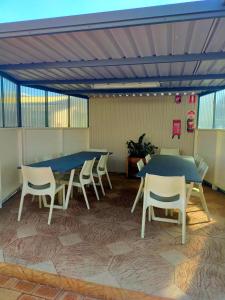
<point>191,121</point>
<point>192,99</point>
<point>176,130</point>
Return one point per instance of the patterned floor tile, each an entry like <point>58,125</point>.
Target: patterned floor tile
<point>118,248</point>
<point>145,272</point>
<point>200,280</point>
<point>173,292</point>
<point>103,244</point>
<point>70,239</point>
<point>104,278</point>
<point>46,266</point>
<point>174,257</point>
<point>26,231</point>
<point>1,256</point>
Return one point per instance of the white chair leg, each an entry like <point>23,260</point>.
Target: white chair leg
<point>44,201</point>
<point>166,212</point>
<point>203,201</point>
<point>143,222</point>
<point>21,207</point>
<point>51,210</point>
<point>107,175</point>
<point>95,189</point>
<point>171,212</point>
<point>33,197</point>
<point>150,213</point>
<point>137,196</point>
<point>69,188</point>
<point>40,201</point>
<point>179,217</point>
<point>183,227</point>
<point>85,197</point>
<point>100,182</point>
<point>71,193</point>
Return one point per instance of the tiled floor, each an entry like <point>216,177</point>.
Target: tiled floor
<point>103,245</point>
<point>14,289</point>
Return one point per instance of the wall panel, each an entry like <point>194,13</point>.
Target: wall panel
<point>113,121</point>
<point>9,161</point>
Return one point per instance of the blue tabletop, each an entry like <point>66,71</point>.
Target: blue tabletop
<point>68,162</point>
<point>169,165</point>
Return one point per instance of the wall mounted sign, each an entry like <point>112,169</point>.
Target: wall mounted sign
<point>192,99</point>
<point>176,129</point>
<point>178,99</point>
<point>191,121</point>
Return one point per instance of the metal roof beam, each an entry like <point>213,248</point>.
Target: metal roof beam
<point>125,80</point>
<point>117,61</point>
<point>147,90</point>
<point>132,17</point>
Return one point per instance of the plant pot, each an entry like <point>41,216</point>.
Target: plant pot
<point>131,166</point>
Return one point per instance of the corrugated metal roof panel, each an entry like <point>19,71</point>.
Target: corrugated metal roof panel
<point>136,41</point>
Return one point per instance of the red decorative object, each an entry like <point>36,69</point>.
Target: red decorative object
<point>191,121</point>
<point>192,99</point>
<point>176,130</point>
<point>178,99</point>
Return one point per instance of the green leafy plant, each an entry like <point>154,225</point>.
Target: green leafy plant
<point>140,148</point>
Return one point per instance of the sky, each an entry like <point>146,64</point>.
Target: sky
<point>20,10</point>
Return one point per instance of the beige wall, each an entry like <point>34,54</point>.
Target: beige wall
<point>26,145</point>
<point>113,121</point>
<point>210,145</point>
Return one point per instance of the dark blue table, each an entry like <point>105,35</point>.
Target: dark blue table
<point>69,162</point>
<point>169,165</point>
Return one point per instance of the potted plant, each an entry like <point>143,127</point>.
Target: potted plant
<point>136,151</point>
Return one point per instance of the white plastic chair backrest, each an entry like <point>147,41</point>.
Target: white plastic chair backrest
<point>38,180</point>
<point>101,166</point>
<point>169,151</point>
<point>97,150</point>
<point>86,171</point>
<point>198,159</point>
<point>165,186</point>
<point>140,164</point>
<point>147,158</point>
<point>202,169</point>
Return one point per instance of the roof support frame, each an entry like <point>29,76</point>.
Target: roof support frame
<point>118,61</point>
<point>148,90</point>
<point>125,80</point>
<point>132,17</point>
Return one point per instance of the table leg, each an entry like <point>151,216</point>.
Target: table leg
<point>190,187</point>
<point>140,191</point>
<point>69,188</point>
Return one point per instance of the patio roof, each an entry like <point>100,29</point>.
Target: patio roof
<point>177,47</point>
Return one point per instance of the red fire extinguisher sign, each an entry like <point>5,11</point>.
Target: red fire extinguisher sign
<point>191,121</point>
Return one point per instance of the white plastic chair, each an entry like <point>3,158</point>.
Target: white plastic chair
<point>197,190</point>
<point>198,159</point>
<point>84,178</point>
<point>40,182</point>
<point>147,158</point>
<point>169,151</point>
<point>101,169</point>
<point>164,192</point>
<point>140,165</point>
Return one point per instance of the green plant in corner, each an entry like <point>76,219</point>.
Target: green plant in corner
<point>140,148</point>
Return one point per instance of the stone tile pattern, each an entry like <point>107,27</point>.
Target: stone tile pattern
<point>14,289</point>
<point>103,245</point>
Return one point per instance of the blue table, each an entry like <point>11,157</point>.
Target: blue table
<point>169,165</point>
<point>68,163</point>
